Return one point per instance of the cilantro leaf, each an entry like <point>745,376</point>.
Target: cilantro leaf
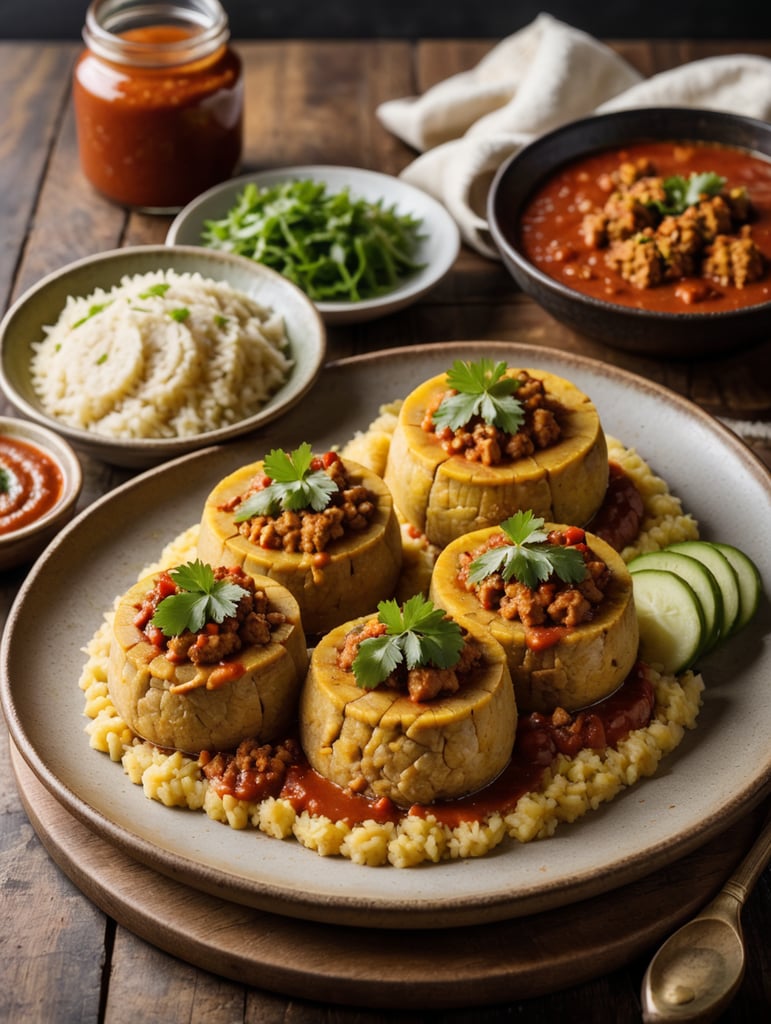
<point>483,389</point>
<point>92,311</point>
<point>180,314</point>
<point>683,192</point>
<point>293,485</point>
<point>417,634</point>
<point>201,599</point>
<point>155,289</point>
<point>527,557</point>
<point>5,481</point>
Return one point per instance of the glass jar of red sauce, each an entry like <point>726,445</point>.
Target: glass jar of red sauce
<point>158,96</point>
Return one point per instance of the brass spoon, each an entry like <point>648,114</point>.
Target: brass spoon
<point>696,973</point>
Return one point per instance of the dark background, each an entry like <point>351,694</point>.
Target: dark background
<point>266,19</point>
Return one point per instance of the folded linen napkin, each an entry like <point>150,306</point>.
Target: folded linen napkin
<point>537,79</point>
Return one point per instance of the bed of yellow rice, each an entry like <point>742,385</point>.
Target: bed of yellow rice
<point>570,788</point>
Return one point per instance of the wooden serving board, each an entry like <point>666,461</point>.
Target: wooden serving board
<point>470,966</point>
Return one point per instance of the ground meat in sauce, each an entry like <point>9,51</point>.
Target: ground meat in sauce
<point>552,603</point>
<point>711,238</point>
<point>251,625</point>
<point>254,771</point>
<point>351,509</point>
<point>421,684</point>
<point>482,442</point>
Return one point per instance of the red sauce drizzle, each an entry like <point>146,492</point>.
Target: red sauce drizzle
<point>538,743</point>
<point>618,519</point>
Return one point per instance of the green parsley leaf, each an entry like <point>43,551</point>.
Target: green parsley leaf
<point>417,634</point>
<point>5,481</point>
<point>202,599</point>
<point>527,557</point>
<point>483,390</point>
<point>293,485</point>
<point>92,311</point>
<point>684,192</point>
<point>155,289</point>
<point>181,314</point>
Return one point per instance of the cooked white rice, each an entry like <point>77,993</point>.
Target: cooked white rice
<point>160,355</point>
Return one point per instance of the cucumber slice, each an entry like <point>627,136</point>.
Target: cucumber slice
<point>701,581</point>
<point>670,618</point>
<point>723,572</point>
<point>750,585</point>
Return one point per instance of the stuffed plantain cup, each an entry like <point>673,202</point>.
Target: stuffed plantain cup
<point>324,528</point>
<point>476,444</point>
<point>201,658</point>
<point>406,705</point>
<point>558,599</point>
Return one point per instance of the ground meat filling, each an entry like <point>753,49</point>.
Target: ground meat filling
<point>711,239</point>
<point>351,509</point>
<point>251,626</point>
<point>423,683</point>
<point>479,441</point>
<point>552,603</point>
<point>252,772</point>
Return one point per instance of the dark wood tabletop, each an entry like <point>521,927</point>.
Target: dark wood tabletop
<point>61,957</point>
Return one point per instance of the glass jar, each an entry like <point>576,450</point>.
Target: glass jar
<point>158,96</point>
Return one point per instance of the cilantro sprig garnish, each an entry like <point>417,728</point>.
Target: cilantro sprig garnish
<point>294,485</point>
<point>528,557</point>
<point>483,390</point>
<point>5,481</point>
<point>201,599</point>
<point>418,634</point>
<point>684,192</point>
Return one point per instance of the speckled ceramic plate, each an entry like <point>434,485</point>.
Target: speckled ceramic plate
<point>720,770</point>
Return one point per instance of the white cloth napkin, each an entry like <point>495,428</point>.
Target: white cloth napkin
<point>537,79</point>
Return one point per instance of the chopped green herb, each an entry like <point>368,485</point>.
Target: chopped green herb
<point>155,289</point>
<point>418,634</point>
<point>527,557</point>
<point>333,247</point>
<point>202,599</point>
<point>102,359</point>
<point>5,481</point>
<point>180,314</point>
<point>483,390</point>
<point>220,320</point>
<point>684,192</point>
<point>92,311</point>
<point>293,485</point>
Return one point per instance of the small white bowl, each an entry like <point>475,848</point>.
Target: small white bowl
<point>41,305</point>
<point>437,251</point>
<point>26,543</point>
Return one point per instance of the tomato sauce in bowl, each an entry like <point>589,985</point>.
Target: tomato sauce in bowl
<point>550,228</point>
<point>30,483</point>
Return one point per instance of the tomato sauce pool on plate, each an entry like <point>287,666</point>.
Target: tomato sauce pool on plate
<point>550,224</point>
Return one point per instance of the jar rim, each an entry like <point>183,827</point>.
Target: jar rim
<point>106,20</point>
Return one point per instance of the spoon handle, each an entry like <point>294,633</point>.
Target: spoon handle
<point>740,884</point>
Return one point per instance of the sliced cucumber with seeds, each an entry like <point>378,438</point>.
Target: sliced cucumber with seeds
<point>701,581</point>
<point>750,585</point>
<point>723,572</point>
<point>672,628</point>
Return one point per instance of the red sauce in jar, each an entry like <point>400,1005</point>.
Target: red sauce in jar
<point>30,483</point>
<point>550,226</point>
<point>156,136</point>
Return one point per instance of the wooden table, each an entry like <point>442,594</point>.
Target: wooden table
<point>62,958</point>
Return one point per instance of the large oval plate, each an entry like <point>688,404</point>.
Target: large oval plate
<point>720,770</point>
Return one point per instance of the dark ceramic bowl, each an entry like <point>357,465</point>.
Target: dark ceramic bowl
<point>634,329</point>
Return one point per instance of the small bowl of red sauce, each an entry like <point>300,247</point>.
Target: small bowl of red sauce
<point>647,229</point>
<point>40,482</point>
